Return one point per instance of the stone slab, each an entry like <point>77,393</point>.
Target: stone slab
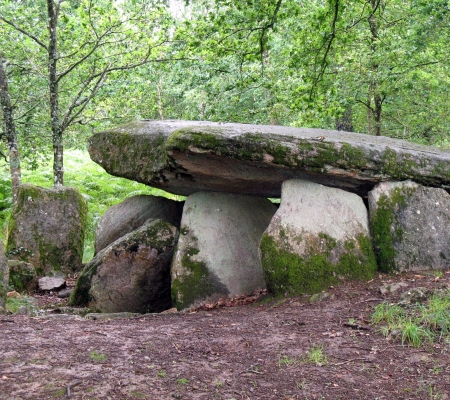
<point>184,157</point>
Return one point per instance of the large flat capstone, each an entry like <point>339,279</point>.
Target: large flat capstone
<point>185,157</point>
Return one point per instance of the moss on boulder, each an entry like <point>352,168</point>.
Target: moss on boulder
<point>318,237</point>
<point>22,276</point>
<point>47,228</point>
<point>410,226</point>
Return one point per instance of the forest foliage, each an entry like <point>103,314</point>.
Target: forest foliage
<point>378,67</point>
<point>371,66</point>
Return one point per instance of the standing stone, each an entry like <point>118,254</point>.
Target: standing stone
<point>131,214</point>
<point>318,236</point>
<point>410,226</point>
<point>4,278</point>
<point>217,254</point>
<point>47,228</point>
<point>132,274</point>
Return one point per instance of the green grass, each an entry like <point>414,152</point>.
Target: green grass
<point>183,381</point>
<point>98,187</point>
<point>316,355</point>
<point>96,356</point>
<point>13,303</point>
<point>161,373</point>
<point>418,324</point>
<point>285,360</point>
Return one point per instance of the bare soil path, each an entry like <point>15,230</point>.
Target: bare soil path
<point>257,351</point>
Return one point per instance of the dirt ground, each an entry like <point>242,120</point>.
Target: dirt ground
<point>253,351</point>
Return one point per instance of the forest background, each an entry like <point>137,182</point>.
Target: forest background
<point>71,68</point>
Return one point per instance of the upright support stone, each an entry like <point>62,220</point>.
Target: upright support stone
<point>318,236</point>
<point>47,228</point>
<point>217,254</point>
<point>410,225</point>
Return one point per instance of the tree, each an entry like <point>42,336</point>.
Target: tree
<point>78,47</point>
<point>9,129</point>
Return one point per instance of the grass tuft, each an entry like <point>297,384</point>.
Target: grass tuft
<point>419,324</point>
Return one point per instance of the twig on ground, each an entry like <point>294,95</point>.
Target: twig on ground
<point>357,326</point>
<point>349,361</point>
<point>70,386</point>
<point>252,369</point>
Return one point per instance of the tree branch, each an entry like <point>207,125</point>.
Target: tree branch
<point>328,43</point>
<point>21,30</point>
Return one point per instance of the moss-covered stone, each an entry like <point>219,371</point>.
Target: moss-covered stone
<point>386,231</point>
<point>22,276</point>
<point>47,229</point>
<point>80,296</point>
<point>256,159</point>
<point>131,274</point>
<point>287,272</point>
<point>410,226</point>
<point>197,283</point>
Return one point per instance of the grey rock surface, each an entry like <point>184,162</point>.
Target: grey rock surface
<point>48,283</point>
<point>392,287</point>
<point>217,252</point>
<point>410,224</point>
<point>184,157</point>
<point>414,295</point>
<point>318,236</point>
<point>132,274</point>
<point>131,214</point>
<point>47,228</point>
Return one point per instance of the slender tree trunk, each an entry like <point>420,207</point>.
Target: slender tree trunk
<point>160,103</point>
<point>345,121</point>
<point>377,109</point>
<point>10,131</point>
<point>57,131</point>
<point>369,110</point>
<point>378,100</point>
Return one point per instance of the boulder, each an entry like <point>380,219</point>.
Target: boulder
<point>4,278</point>
<point>131,214</point>
<point>132,274</point>
<point>48,283</point>
<point>318,236</point>
<point>217,252</point>
<point>185,157</point>
<point>22,276</point>
<point>410,225</point>
<point>47,228</point>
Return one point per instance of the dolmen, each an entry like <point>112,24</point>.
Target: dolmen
<point>349,205</point>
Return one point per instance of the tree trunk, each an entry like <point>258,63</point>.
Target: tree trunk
<point>10,131</point>
<point>345,121</point>
<point>378,100</point>
<point>160,102</point>
<point>58,149</point>
<point>375,94</point>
